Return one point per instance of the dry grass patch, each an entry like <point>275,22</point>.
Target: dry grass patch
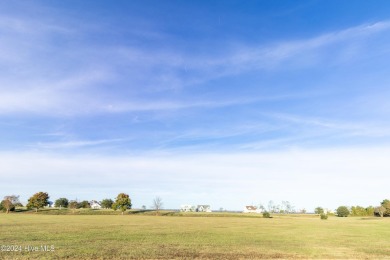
<point>173,237</point>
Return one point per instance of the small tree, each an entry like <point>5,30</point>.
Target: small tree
<point>38,200</point>
<point>370,211</point>
<point>386,205</point>
<point>61,203</point>
<point>10,202</point>
<point>342,211</point>
<point>157,205</point>
<point>318,210</point>
<point>84,204</point>
<point>73,205</point>
<point>122,202</point>
<point>107,203</point>
<point>380,211</point>
<point>5,206</point>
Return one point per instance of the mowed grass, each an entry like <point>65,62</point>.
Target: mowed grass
<point>162,237</point>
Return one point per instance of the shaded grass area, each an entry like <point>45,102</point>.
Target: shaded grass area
<point>152,237</point>
<point>57,211</point>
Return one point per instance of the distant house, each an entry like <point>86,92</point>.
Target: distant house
<point>50,204</point>
<point>251,209</point>
<point>187,208</point>
<point>203,208</point>
<point>95,204</point>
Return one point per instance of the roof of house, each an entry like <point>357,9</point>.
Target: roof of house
<point>251,207</point>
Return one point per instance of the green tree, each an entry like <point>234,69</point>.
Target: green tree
<point>318,210</point>
<point>342,211</point>
<point>370,211</point>
<point>84,204</point>
<point>61,203</point>
<point>107,203</point>
<point>9,203</point>
<point>122,202</point>
<point>358,211</point>
<point>38,200</point>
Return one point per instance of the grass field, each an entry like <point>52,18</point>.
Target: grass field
<point>156,237</point>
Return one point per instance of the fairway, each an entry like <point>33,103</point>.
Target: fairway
<point>153,237</point>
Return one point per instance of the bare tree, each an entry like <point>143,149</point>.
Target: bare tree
<point>380,211</point>
<point>157,205</point>
<point>288,207</point>
<point>9,202</point>
<point>73,204</point>
<point>271,206</point>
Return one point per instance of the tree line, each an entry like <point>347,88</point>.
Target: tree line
<point>343,211</point>
<point>123,202</point>
<point>41,199</point>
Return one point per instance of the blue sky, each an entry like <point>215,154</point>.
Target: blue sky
<point>224,103</point>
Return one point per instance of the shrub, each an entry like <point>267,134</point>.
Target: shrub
<point>323,216</point>
<point>266,215</point>
<point>342,211</point>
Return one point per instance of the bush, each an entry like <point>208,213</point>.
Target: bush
<point>266,215</point>
<point>342,211</point>
<point>323,216</point>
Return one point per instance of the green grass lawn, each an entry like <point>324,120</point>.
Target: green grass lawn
<point>153,237</point>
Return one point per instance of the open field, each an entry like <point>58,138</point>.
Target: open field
<point>151,237</point>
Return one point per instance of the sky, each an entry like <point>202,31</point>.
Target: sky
<point>225,103</point>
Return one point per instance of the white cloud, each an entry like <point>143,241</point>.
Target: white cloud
<point>307,178</point>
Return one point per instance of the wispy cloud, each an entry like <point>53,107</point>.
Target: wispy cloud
<point>351,128</point>
<point>86,76</point>
<point>75,144</point>
<point>303,52</point>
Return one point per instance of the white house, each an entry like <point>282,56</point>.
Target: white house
<point>203,208</point>
<point>252,209</point>
<point>95,204</point>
